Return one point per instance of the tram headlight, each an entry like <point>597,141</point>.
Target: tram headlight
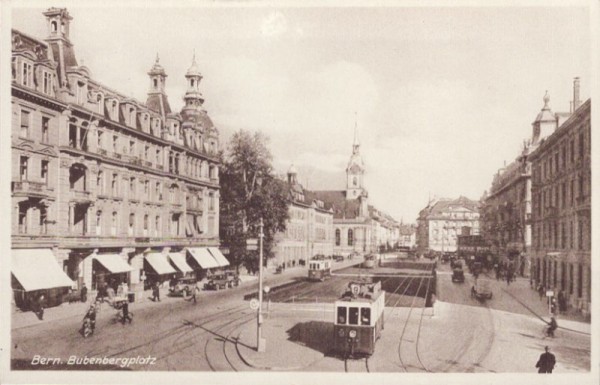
<point>352,334</point>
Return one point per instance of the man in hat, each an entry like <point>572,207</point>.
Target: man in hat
<point>546,362</point>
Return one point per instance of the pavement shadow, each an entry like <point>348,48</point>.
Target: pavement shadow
<point>315,335</point>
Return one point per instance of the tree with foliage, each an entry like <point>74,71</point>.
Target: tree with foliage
<point>249,192</point>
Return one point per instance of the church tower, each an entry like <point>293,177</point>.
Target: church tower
<point>355,171</point>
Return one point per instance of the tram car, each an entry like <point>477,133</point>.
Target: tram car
<point>318,270</point>
<point>358,319</point>
<point>370,261</point>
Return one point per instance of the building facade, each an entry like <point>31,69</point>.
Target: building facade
<point>442,221</point>
<point>309,230</point>
<point>506,208</point>
<point>358,227</point>
<point>98,174</point>
<point>561,212</point>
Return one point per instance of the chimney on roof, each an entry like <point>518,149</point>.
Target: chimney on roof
<point>576,100</point>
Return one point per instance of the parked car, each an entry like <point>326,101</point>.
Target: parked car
<point>458,275</point>
<point>338,258</point>
<point>233,278</point>
<point>217,282</point>
<point>183,287</point>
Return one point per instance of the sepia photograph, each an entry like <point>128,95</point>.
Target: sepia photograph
<point>262,192</point>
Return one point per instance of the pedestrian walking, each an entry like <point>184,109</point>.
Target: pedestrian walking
<point>195,292</point>
<point>83,293</point>
<point>507,278</point>
<point>546,362</point>
<point>155,292</point>
<point>126,314</point>
<point>541,291</point>
<point>39,307</point>
<point>562,302</point>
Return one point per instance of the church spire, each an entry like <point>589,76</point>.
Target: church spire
<point>356,144</point>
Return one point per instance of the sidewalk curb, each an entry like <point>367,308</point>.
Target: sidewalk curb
<point>270,368</point>
<point>540,317</point>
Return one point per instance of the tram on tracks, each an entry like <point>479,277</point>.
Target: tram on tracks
<point>358,319</point>
<point>318,270</point>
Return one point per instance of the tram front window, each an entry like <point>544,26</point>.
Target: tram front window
<point>365,316</point>
<point>341,315</point>
<point>353,316</point>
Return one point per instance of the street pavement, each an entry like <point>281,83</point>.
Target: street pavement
<point>219,334</point>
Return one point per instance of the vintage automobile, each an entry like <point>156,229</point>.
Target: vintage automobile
<point>183,287</point>
<point>458,275</point>
<point>456,263</point>
<point>226,279</point>
<point>481,290</point>
<point>338,258</point>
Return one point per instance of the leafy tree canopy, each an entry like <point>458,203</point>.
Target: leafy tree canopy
<point>250,191</point>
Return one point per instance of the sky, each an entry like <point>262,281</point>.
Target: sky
<point>441,96</point>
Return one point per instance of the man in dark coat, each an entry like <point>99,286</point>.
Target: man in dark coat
<point>546,362</point>
<point>84,293</point>
<point>155,292</point>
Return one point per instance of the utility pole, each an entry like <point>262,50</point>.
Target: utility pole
<point>260,342</point>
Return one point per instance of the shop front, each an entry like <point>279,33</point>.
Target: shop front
<point>157,269</point>
<point>109,271</point>
<point>178,260</point>
<point>202,261</point>
<point>35,272</point>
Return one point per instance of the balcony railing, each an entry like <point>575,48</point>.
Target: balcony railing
<point>81,196</point>
<point>29,187</point>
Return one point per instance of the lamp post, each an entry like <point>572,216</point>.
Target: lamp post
<point>260,342</point>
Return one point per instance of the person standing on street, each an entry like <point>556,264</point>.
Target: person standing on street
<point>541,291</point>
<point>155,292</point>
<point>546,362</point>
<point>84,291</point>
<point>195,292</point>
<point>126,314</point>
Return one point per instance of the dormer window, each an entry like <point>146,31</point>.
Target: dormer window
<point>113,109</point>
<point>47,83</point>
<point>132,116</point>
<point>81,93</point>
<point>54,26</point>
<point>155,81</point>
<point>27,79</point>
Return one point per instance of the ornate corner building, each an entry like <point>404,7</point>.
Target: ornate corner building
<point>100,180</point>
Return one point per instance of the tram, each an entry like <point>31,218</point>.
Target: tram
<point>358,319</point>
<point>318,270</point>
<point>370,261</point>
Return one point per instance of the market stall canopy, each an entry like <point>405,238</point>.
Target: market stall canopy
<point>159,263</point>
<point>216,253</point>
<point>178,260</point>
<point>203,257</point>
<point>113,263</point>
<point>37,269</point>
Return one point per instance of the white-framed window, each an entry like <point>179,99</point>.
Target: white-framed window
<point>47,83</point>
<point>131,228</point>
<point>23,167</point>
<point>27,78</point>
<point>114,223</point>
<point>44,171</point>
<point>100,139</point>
<point>81,93</point>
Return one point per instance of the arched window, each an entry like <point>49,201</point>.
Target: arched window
<point>155,82</point>
<point>338,235</point>
<point>350,237</point>
<point>146,225</point>
<point>54,26</point>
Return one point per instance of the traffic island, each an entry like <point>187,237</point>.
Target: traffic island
<point>291,343</point>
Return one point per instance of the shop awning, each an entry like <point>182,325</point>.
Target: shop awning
<point>37,269</point>
<point>113,263</point>
<point>159,263</point>
<point>178,260</point>
<point>218,256</point>
<point>203,257</point>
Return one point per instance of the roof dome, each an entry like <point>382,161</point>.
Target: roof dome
<point>545,115</point>
<point>193,70</point>
<point>157,69</point>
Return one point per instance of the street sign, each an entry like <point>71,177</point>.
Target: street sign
<point>254,304</point>
<point>550,293</point>
<point>251,247</point>
<point>252,242</point>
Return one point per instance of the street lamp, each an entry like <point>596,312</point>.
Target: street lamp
<point>260,342</point>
